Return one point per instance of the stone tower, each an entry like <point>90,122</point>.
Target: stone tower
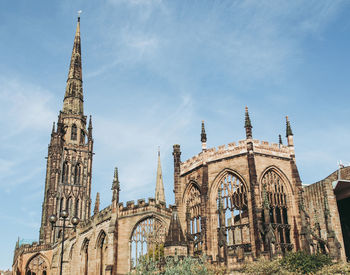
<point>69,160</point>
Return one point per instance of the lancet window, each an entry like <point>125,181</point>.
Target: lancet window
<point>82,137</point>
<point>233,218</point>
<point>77,172</point>
<point>37,266</point>
<point>74,132</point>
<point>101,246</point>
<point>85,252</point>
<point>276,194</point>
<point>147,240</point>
<point>65,171</point>
<point>193,218</point>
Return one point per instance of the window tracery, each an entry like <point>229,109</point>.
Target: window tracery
<point>147,240</point>
<point>233,218</point>
<point>276,195</point>
<point>193,218</point>
<point>37,266</point>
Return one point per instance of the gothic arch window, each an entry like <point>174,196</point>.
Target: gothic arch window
<point>74,132</point>
<point>37,266</point>
<point>85,258</point>
<point>65,171</point>
<point>277,201</point>
<point>76,209</point>
<point>61,206</point>
<point>147,240</point>
<point>233,217</point>
<point>193,218</point>
<point>82,137</point>
<point>101,254</point>
<point>77,173</point>
<point>69,205</point>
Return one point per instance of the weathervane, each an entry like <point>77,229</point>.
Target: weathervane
<point>79,12</point>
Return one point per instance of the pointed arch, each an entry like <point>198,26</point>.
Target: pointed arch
<point>281,174</point>
<point>147,238</point>
<point>192,202</point>
<point>276,193</point>
<point>65,172</point>
<point>77,173</point>
<point>37,264</point>
<point>84,251</point>
<point>229,195</point>
<point>101,246</point>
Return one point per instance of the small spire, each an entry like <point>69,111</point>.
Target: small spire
<point>288,128</point>
<point>203,137</point>
<point>90,128</point>
<point>115,185</point>
<point>280,140</point>
<point>203,134</point>
<point>248,125</point>
<point>97,204</point>
<point>159,194</point>
<point>53,127</point>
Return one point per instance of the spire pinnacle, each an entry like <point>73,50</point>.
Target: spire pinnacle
<point>73,99</point>
<point>115,185</point>
<point>288,128</point>
<point>280,140</point>
<point>97,204</point>
<point>203,137</point>
<point>248,125</point>
<point>159,195</point>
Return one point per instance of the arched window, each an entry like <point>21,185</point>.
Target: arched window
<point>76,210</point>
<point>193,217</point>
<point>276,195</point>
<point>82,137</point>
<point>77,172</point>
<point>85,252</point>
<point>74,132</point>
<point>101,246</point>
<point>37,266</point>
<point>233,218</point>
<point>147,239</point>
<point>65,172</point>
<point>69,207</point>
<point>61,206</point>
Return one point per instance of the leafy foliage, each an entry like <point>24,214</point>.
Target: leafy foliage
<point>305,263</point>
<point>265,267</point>
<point>175,266</point>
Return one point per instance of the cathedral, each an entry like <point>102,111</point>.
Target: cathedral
<point>234,203</point>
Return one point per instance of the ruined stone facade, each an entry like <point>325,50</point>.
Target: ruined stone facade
<point>234,203</point>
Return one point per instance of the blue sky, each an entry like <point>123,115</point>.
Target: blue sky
<point>152,71</point>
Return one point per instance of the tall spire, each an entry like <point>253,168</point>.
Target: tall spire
<point>203,137</point>
<point>160,197</point>
<point>73,99</point>
<point>248,125</point>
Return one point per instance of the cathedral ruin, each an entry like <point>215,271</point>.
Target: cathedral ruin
<point>233,203</point>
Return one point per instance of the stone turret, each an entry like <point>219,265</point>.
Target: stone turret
<point>175,243</point>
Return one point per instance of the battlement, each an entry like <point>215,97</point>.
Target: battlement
<point>232,149</point>
<point>142,206</point>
